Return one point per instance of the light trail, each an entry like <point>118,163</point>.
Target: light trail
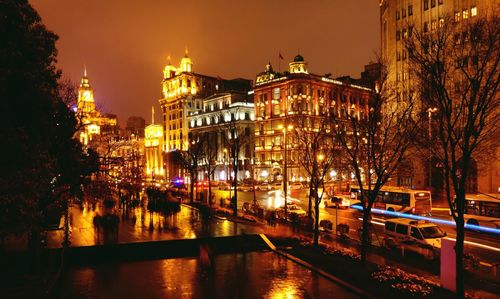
<point>490,230</point>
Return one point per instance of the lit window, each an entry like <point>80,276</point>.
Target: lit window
<point>473,11</point>
<point>434,25</point>
<point>457,16</point>
<point>465,14</point>
<point>441,22</point>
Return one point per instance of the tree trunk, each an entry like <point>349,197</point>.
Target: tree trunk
<point>209,190</point>
<point>316,219</point>
<point>191,195</point>
<point>235,181</point>
<point>459,258</point>
<point>309,207</point>
<point>365,233</point>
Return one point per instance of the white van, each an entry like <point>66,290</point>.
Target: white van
<point>422,237</point>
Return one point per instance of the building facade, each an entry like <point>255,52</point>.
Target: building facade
<point>399,20</point>
<point>92,124</point>
<point>281,98</point>
<point>221,112</point>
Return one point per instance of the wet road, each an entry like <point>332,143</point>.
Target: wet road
<point>140,225</point>
<point>251,275</point>
<point>482,245</point>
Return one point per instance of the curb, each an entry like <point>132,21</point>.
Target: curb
<point>327,275</point>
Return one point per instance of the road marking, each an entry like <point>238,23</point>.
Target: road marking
<point>486,264</point>
<point>478,245</point>
<point>374,222</point>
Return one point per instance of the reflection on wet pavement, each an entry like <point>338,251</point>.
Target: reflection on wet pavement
<point>139,224</point>
<point>251,275</point>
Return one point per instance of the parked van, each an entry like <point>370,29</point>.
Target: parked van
<point>422,237</point>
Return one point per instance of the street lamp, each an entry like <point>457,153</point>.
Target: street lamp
<point>430,111</point>
<point>285,164</point>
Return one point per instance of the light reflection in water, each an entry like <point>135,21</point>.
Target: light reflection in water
<point>251,275</point>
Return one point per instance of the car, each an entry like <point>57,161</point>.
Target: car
<point>341,200</point>
<point>277,185</point>
<point>291,209</point>
<point>295,186</point>
<point>422,237</point>
<point>263,187</point>
<point>245,188</point>
<point>295,209</point>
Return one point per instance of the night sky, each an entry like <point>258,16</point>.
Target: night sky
<point>125,44</point>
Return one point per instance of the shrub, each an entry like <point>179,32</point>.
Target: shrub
<point>404,282</point>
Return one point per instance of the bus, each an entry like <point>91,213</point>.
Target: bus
<point>482,210</point>
<point>399,199</point>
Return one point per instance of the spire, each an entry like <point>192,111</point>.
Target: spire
<point>186,51</point>
<point>152,115</point>
<point>168,59</point>
<point>84,70</point>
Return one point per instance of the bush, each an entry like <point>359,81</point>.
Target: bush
<point>404,282</point>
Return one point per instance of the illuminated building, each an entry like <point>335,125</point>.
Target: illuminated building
<point>237,108</point>
<point>153,150</point>
<point>281,97</point>
<point>183,92</point>
<point>399,21</point>
<point>92,122</point>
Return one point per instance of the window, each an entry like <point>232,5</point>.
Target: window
<point>426,4</point>
<point>405,35</point>
<point>426,27</point>
<point>402,229</point>
<point>433,3</point>
<point>276,93</point>
<point>410,10</point>
<point>390,226</point>
<point>441,22</point>
<point>403,12</point>
<point>457,16</point>
<point>440,2</point>
<point>398,56</point>
<point>473,11</point>
<point>434,25</point>
<point>398,35</point>
<point>465,14</point>
<point>415,233</point>
<point>397,15</point>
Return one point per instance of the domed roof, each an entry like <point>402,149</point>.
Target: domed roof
<point>298,58</point>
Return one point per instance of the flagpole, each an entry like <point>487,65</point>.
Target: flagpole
<point>279,62</point>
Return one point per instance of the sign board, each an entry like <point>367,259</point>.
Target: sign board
<point>448,264</point>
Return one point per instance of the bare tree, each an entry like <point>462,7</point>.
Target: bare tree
<point>209,152</point>
<point>318,153</point>
<point>189,161</point>
<point>457,66</point>
<point>235,135</point>
<point>374,143</point>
